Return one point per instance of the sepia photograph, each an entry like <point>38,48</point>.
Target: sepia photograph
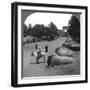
<point>49,44</point>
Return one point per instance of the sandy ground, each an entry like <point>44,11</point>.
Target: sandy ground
<point>30,69</point>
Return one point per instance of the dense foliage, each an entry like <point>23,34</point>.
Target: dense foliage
<point>40,31</point>
<point>74,28</point>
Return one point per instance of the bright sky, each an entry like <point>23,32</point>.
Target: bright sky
<point>59,19</point>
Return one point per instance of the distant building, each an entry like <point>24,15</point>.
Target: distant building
<point>65,28</point>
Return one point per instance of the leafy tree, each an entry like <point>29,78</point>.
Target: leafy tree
<point>25,29</point>
<point>74,28</point>
<point>53,30</point>
<point>37,31</point>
